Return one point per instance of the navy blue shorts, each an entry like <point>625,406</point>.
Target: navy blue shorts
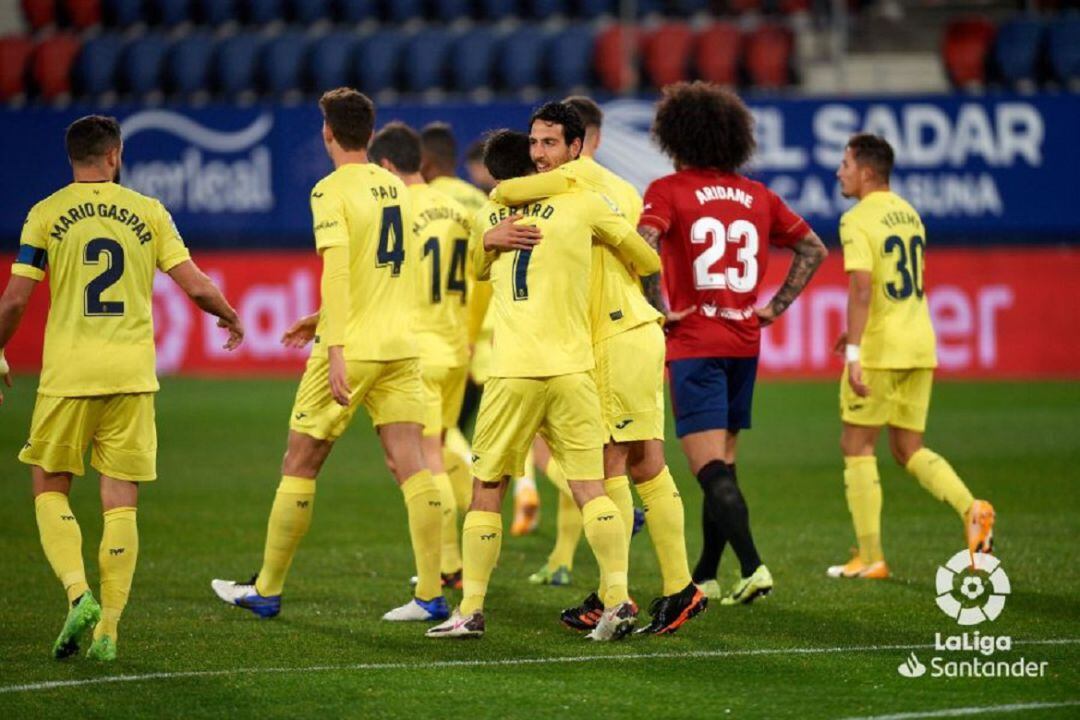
<point>712,393</point>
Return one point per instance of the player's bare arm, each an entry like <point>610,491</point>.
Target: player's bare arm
<point>206,295</point>
<point>12,306</point>
<point>301,332</point>
<point>858,310</point>
<point>651,285</point>
<point>810,252</point>
<point>508,235</point>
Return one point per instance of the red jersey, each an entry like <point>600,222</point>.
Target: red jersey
<point>716,229</point>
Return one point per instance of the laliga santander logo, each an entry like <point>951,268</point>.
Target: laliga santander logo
<point>969,593</point>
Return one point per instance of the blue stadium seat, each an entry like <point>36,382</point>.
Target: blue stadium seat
<point>683,7</point>
<point>122,13</point>
<point>170,13</point>
<point>450,10</point>
<point>261,12</point>
<point>331,60</point>
<point>142,63</point>
<point>95,68</point>
<point>311,11</point>
<point>472,59</point>
<point>595,8</point>
<point>377,60</point>
<point>357,11</point>
<point>425,59</point>
<point>236,63</point>
<point>1016,49</point>
<point>498,9</point>
<point>217,12</point>
<point>400,11</point>
<point>284,62</point>
<point>542,9</point>
<point>1064,48</point>
<point>570,56</point>
<point>520,59</point>
<point>650,7</point>
<point>187,68</point>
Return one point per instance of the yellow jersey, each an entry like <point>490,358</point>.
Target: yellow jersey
<point>617,302</point>
<point>101,243</point>
<point>884,236</point>
<point>540,297</point>
<point>442,229</point>
<point>467,194</point>
<point>367,209</point>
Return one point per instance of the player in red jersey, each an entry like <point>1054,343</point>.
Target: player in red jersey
<point>713,228</point>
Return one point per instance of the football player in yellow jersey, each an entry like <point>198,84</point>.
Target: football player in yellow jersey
<point>629,347</point>
<point>439,167</point>
<point>101,244</point>
<point>364,353</point>
<point>442,228</point>
<point>890,357</point>
<point>541,382</point>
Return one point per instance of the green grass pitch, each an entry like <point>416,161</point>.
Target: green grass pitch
<point>815,648</point>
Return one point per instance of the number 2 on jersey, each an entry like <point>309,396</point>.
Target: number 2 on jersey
<point>114,269</point>
<point>740,279</point>
<point>391,249</point>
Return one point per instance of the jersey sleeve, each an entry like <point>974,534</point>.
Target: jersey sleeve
<point>171,250</point>
<point>657,211</point>
<point>328,217</point>
<point>787,228</point>
<point>856,245</point>
<point>610,227</point>
<point>33,255</point>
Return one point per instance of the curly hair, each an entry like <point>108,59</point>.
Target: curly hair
<point>560,113</point>
<point>506,155</point>
<point>704,126</point>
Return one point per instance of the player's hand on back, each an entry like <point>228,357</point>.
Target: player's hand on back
<point>301,332</point>
<point>339,376</point>
<point>766,315</point>
<point>673,316</point>
<point>855,379</point>
<point>508,235</point>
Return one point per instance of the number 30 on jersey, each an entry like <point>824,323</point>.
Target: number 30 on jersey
<point>740,277</point>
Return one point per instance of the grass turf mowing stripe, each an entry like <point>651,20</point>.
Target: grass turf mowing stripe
<point>965,711</point>
<point>183,674</point>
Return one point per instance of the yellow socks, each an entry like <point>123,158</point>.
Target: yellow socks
<point>451,554</point>
<point>457,468</point>
<point>116,561</point>
<point>61,539</point>
<point>607,537</point>
<point>481,540</point>
<point>862,487</point>
<point>618,489</point>
<point>290,518</point>
<point>665,518</point>
<point>939,479</point>
<point>567,533</point>
<point>422,500</point>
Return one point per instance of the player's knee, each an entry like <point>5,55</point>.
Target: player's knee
<point>305,455</point>
<point>118,493</point>
<point>646,460</point>
<point>615,459</point>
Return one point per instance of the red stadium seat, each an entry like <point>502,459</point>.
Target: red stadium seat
<point>612,58</point>
<point>83,13</point>
<point>666,53</point>
<point>741,7</point>
<point>51,66</point>
<point>716,53</point>
<point>791,7</point>
<point>768,56</point>
<point>965,48</point>
<point>39,13</point>
<point>14,56</point>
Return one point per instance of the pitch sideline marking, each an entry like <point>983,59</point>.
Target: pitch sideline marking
<point>965,711</point>
<point>505,662</point>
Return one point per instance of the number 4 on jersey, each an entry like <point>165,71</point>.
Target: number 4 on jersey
<point>391,249</point>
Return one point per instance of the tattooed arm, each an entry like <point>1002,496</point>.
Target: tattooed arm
<point>651,284</point>
<point>810,252</point>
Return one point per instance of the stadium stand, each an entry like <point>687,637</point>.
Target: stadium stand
<point>15,53</point>
<point>1017,49</point>
<point>331,60</point>
<point>236,64</point>
<point>496,10</point>
<point>472,58</point>
<point>570,55</point>
<point>425,58</point>
<point>666,53</point>
<point>1063,50</point>
<point>402,11</point>
<point>377,61</point>
<point>123,13</point>
<point>216,13</point>
<point>95,68</point>
<point>716,53</point>
<point>520,59</point>
<point>612,63</point>
<point>189,64</point>
<point>82,14</point>
<point>284,63</point>
<point>39,14</point>
<point>51,65</point>
<point>358,11</point>
<point>449,11</point>
<point>768,56</point>
<point>309,12</point>
<point>262,12</point>
<point>170,13</point>
<point>966,49</point>
<point>142,64</point>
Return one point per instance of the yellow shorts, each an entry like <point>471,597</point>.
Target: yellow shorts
<point>899,398</point>
<point>630,381</point>
<point>121,428</point>
<point>564,409</point>
<point>391,392</point>
<point>444,391</point>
